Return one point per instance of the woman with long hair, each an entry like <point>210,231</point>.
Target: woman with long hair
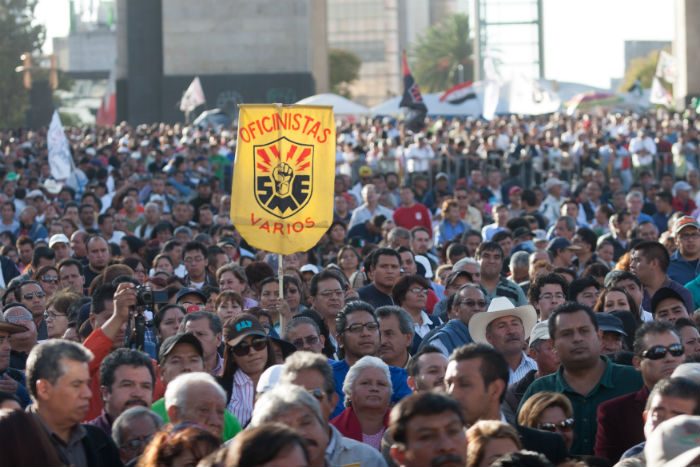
<point>47,277</point>
<point>411,293</point>
<point>17,428</point>
<point>549,411</point>
<point>349,261</point>
<point>56,314</point>
<point>247,353</point>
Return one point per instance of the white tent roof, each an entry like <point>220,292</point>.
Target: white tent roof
<point>341,105</point>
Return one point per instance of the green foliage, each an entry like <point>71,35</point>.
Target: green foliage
<point>438,53</point>
<point>17,36</point>
<point>642,69</point>
<point>343,69</point>
<point>69,119</point>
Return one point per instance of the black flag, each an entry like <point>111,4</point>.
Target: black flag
<point>412,100</point>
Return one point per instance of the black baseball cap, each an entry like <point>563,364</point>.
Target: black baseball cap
<point>183,338</point>
<point>662,294</point>
<point>190,291</point>
<point>243,325</point>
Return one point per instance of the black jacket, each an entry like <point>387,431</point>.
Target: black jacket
<point>100,450</point>
<point>550,444</point>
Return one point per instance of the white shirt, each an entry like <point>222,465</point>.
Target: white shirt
<point>418,159</point>
<point>526,365</point>
<point>422,329</point>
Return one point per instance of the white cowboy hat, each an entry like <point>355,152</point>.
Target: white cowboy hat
<point>500,307</point>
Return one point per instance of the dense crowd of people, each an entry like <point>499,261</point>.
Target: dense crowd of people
<point>519,292</point>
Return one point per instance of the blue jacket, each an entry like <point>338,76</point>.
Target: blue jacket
<point>399,386</point>
<point>681,270</point>
<point>452,335</point>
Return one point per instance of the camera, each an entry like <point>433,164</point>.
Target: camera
<point>147,297</point>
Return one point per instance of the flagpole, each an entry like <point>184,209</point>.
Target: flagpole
<point>280,279</point>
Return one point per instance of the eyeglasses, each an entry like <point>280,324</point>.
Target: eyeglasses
<point>37,294</point>
<point>564,425</point>
<point>50,279</point>
<point>357,327</point>
<point>310,340</point>
<point>690,236</point>
<point>137,442</point>
<point>52,315</point>
<point>332,293</point>
<point>418,290</point>
<point>18,319</point>
<point>659,351</point>
<point>473,303</point>
<point>549,296</point>
<point>194,260</point>
<point>256,344</point>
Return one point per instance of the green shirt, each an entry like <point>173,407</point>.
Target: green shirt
<point>231,425</point>
<point>617,380</point>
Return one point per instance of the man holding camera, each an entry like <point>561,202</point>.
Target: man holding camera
<point>108,335</point>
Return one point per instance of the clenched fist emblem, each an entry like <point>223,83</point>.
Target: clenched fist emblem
<point>282,174</point>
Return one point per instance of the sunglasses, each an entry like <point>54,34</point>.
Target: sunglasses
<point>310,340</point>
<point>256,344</point>
<point>50,279</point>
<point>418,290</point>
<point>37,294</point>
<point>564,425</point>
<point>318,394</point>
<point>357,327</point>
<point>659,351</point>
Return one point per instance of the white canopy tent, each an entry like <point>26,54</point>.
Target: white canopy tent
<point>341,105</point>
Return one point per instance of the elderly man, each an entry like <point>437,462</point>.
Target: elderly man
<point>182,354</point>
<point>29,226</point>
<point>208,329</point>
<point>427,429</point>
<point>11,380</point>
<point>507,329</point>
<point>58,376</point>
<point>98,254</point>
<point>658,351</point>
<point>133,429</point>
<point>22,342</point>
<point>197,398</point>
<point>312,372</point>
<point>396,335</point>
<point>370,208</point>
<point>126,380</point>
<point>70,274</point>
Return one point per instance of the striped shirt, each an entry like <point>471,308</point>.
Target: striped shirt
<point>526,365</point>
<point>242,397</point>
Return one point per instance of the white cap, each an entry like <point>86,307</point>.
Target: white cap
<point>269,378</point>
<point>36,194</point>
<point>58,238</point>
<point>309,268</point>
<point>540,331</point>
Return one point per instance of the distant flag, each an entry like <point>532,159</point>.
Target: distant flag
<point>458,94</point>
<point>636,88</point>
<point>412,100</point>
<point>60,159</point>
<point>193,96</point>
<point>659,94</point>
<point>667,67</point>
<point>107,113</point>
<point>492,89</point>
<point>529,97</point>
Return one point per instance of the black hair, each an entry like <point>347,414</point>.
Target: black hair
<point>42,252</point>
<point>568,308</point>
<point>493,364</point>
<point>341,321</point>
<point>103,293</point>
<point>422,403</point>
<point>121,357</point>
<point>651,327</point>
<point>412,369</point>
<point>579,285</point>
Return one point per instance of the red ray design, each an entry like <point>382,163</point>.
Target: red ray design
<point>305,166</point>
<point>304,154</point>
<point>292,150</point>
<point>263,168</point>
<point>275,152</point>
<point>263,155</point>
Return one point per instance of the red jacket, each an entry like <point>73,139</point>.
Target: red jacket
<point>348,424</point>
<point>100,346</point>
<point>620,424</point>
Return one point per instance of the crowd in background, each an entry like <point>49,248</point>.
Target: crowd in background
<point>520,291</point>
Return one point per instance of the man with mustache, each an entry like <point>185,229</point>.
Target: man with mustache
<point>396,332</point>
<point>428,429</point>
<point>658,351</point>
<point>126,380</point>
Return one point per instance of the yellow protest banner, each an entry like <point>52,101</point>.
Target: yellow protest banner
<point>284,175</point>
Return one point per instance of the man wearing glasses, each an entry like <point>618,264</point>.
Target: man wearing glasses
<point>327,299</point>
<point>31,295</point>
<point>468,300</point>
<point>194,256</point>
<point>684,266</point>
<point>658,351</point>
<point>304,333</point>
<point>358,335</point>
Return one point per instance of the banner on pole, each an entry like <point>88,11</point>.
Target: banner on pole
<point>60,159</point>
<point>284,176</point>
<point>193,96</point>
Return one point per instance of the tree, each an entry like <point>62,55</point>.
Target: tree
<point>18,35</point>
<point>343,68</point>
<point>439,52</point>
<point>642,69</point>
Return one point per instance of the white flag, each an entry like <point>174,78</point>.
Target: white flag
<point>667,67</point>
<point>659,94</point>
<point>529,97</point>
<point>492,89</point>
<point>193,96</point>
<point>60,159</point>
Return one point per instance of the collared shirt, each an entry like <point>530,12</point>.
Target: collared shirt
<point>422,329</point>
<point>71,453</point>
<point>242,397</point>
<point>617,380</point>
<point>219,368</point>
<point>526,365</point>
<point>508,289</point>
